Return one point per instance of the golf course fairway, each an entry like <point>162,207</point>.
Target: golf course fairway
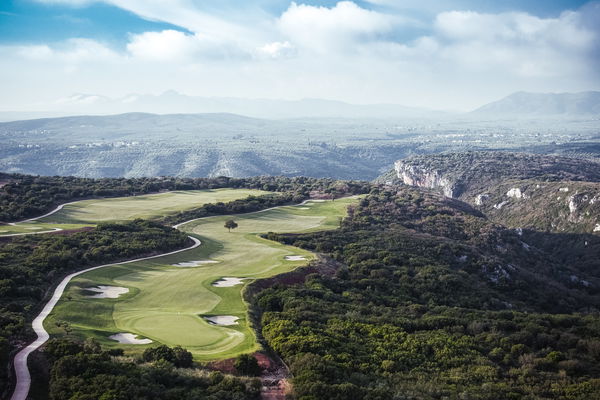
<point>170,298</point>
<point>90,212</point>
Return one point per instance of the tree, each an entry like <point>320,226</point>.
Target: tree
<point>177,355</point>
<point>182,357</point>
<point>230,224</point>
<point>91,346</point>
<point>246,364</point>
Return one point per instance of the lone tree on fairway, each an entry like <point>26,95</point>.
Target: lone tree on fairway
<point>230,224</point>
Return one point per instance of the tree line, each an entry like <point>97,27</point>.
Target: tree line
<point>84,371</point>
<point>26,196</point>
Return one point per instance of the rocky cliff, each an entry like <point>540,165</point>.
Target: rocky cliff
<point>414,175</point>
<point>519,190</point>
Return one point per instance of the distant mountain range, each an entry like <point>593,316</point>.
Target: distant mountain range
<point>521,104</point>
<point>537,104</point>
<point>172,102</point>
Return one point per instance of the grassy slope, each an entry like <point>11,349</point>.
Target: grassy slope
<point>88,212</point>
<point>165,302</point>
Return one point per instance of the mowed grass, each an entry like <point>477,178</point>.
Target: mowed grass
<point>90,212</point>
<point>168,304</point>
<point>35,227</point>
<point>145,206</point>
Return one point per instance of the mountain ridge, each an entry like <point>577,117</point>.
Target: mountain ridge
<point>530,103</point>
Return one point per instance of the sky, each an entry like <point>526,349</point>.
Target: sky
<point>448,55</point>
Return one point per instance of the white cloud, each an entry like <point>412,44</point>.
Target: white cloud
<point>175,46</point>
<point>184,13</point>
<point>344,51</point>
<point>34,52</point>
<point>325,29</point>
<point>72,51</point>
<point>277,50</point>
<point>516,42</point>
<point>167,45</point>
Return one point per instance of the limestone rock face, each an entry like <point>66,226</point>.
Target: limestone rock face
<point>516,193</point>
<point>431,179</point>
<point>481,199</point>
<point>545,193</point>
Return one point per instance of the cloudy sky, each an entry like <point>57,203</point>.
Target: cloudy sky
<point>454,54</point>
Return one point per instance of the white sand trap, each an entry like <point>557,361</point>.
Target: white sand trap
<point>318,201</point>
<point>106,292</point>
<point>295,258</point>
<point>3,231</point>
<point>128,338</point>
<point>34,228</point>
<point>223,320</point>
<point>195,263</point>
<point>303,208</point>
<point>228,282</point>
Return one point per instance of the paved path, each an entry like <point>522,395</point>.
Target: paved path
<point>36,218</point>
<point>57,209</point>
<point>20,361</point>
<point>21,369</point>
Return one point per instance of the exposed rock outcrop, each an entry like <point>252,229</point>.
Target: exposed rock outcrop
<point>421,177</point>
<point>518,190</point>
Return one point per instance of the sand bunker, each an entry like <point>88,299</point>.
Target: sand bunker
<point>318,201</point>
<point>106,292</point>
<point>223,320</point>
<point>228,282</point>
<point>195,263</point>
<point>128,338</point>
<point>303,208</point>
<point>295,258</point>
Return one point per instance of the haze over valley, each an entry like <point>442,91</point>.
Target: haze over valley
<point>342,141</point>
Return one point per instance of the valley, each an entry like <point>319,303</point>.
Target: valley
<point>523,191</point>
<point>170,298</point>
<point>299,200</point>
<point>423,284</point>
<point>212,145</point>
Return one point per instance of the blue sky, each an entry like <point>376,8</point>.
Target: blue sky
<point>24,22</point>
<point>30,21</point>
<point>439,54</point>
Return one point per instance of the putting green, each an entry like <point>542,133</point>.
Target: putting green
<point>168,304</point>
<point>89,212</point>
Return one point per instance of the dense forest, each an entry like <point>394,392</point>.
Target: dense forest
<point>84,371</point>
<point>435,302</point>
<point>31,265</point>
<point>25,196</point>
